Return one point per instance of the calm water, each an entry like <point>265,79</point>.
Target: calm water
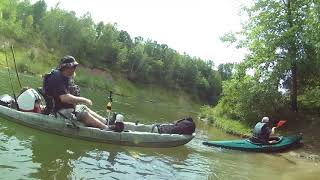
<point>26,153</point>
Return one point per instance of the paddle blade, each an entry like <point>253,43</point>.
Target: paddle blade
<point>280,123</point>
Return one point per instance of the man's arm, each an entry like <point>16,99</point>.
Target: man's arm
<point>273,130</point>
<point>71,99</point>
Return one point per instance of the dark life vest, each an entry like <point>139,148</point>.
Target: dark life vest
<point>72,88</point>
<point>182,126</point>
<point>261,132</point>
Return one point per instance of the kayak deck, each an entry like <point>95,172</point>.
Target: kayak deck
<point>285,142</point>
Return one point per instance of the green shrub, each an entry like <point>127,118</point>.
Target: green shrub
<point>309,100</point>
<point>32,54</point>
<point>218,119</point>
<point>22,67</point>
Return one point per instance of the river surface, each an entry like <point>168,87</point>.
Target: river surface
<point>26,153</point>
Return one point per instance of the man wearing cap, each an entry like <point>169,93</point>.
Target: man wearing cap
<point>59,85</point>
<point>262,132</point>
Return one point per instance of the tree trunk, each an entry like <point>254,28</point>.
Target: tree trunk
<point>294,86</point>
<point>292,52</point>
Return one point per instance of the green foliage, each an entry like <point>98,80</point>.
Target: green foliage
<point>283,55</point>
<point>102,46</point>
<point>216,117</point>
<point>84,79</point>
<point>229,37</point>
<point>32,54</point>
<point>310,100</point>
<point>38,11</point>
<point>28,22</point>
<point>246,98</point>
<point>23,67</point>
<point>225,70</point>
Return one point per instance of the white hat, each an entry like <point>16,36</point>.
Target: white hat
<point>265,120</point>
<point>119,118</point>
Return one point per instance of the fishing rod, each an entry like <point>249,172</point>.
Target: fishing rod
<point>15,65</point>
<point>14,95</point>
<point>127,96</point>
<point>139,100</point>
<point>109,109</point>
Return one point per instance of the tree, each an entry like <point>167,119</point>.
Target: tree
<point>38,12</point>
<point>99,29</point>
<point>284,54</point>
<point>225,70</point>
<point>274,36</point>
<point>125,38</point>
<point>104,46</point>
<point>28,22</point>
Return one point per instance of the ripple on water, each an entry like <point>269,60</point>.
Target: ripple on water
<point>16,158</point>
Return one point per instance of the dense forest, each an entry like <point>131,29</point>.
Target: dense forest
<point>281,74</point>
<point>98,45</point>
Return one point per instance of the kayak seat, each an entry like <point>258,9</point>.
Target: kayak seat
<point>275,139</point>
<point>48,100</point>
<point>155,128</point>
<point>257,141</point>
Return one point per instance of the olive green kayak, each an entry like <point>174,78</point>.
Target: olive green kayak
<point>133,135</point>
<point>283,143</point>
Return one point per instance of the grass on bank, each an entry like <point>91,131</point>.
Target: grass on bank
<point>35,61</point>
<point>228,125</point>
<point>96,82</point>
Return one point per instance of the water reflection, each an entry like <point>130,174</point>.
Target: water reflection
<point>60,157</point>
<point>15,160</point>
<point>26,153</point>
<point>130,162</point>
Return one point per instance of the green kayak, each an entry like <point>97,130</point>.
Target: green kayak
<point>283,142</point>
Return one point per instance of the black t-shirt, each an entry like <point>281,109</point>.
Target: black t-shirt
<point>57,86</point>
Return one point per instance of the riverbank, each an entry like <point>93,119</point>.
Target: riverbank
<point>230,126</point>
<point>33,62</point>
<point>103,81</point>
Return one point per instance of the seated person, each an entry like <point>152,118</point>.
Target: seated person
<point>29,100</point>
<point>262,132</point>
<point>59,84</point>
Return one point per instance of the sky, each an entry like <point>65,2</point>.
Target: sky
<point>190,26</point>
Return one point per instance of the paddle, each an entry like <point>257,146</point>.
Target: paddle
<point>280,123</point>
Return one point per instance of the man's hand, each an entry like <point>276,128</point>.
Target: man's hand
<point>87,102</point>
<point>273,130</point>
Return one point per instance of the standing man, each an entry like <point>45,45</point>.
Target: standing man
<point>59,84</point>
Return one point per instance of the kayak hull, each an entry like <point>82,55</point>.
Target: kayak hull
<point>284,143</point>
<point>133,135</point>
